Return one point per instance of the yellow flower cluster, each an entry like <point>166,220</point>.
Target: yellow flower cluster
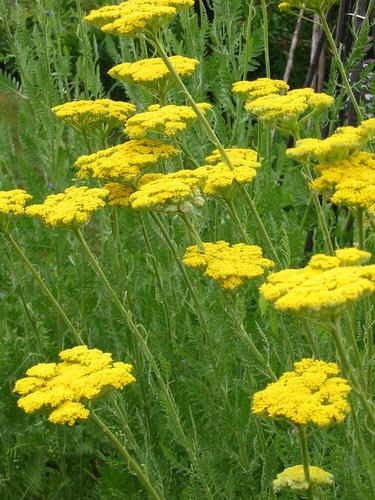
<point>292,106</point>
<point>230,265</point>
<point>73,207</point>
<point>318,6</point>
<point>119,194</point>
<point>153,70</point>
<point>175,192</point>
<point>352,180</point>
<point>88,114</point>
<point>312,392</point>
<point>239,157</point>
<point>259,88</point>
<point>325,286</point>
<point>125,161</point>
<point>218,180</point>
<point>13,202</point>
<point>81,375</point>
<point>293,479</point>
<point>133,17</point>
<point>168,120</point>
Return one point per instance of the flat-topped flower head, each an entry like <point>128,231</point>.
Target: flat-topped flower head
<point>175,192</point>
<point>349,181</point>
<point>239,157</point>
<point>66,386</point>
<point>153,71</point>
<point>325,287</point>
<point>13,202</point>
<point>220,181</point>
<point>344,142</point>
<point>311,393</point>
<point>124,162</point>
<point>170,120</point>
<point>283,110</point>
<point>135,17</point>
<point>88,114</point>
<point>259,88</point>
<point>292,479</point>
<point>71,208</point>
<point>230,265</point>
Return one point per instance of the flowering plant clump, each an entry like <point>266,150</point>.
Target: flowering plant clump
<point>13,202</point>
<point>125,161</point>
<point>311,393</point>
<point>89,114</point>
<point>293,479</point>
<point>325,286</point>
<point>230,265</point>
<point>81,375</point>
<point>168,120</point>
<point>259,88</point>
<point>73,207</point>
<point>152,71</point>
<point>133,17</point>
<point>283,111</point>
<point>175,192</point>
<point>349,181</point>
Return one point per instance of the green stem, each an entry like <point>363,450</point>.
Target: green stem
<point>351,374</point>
<point>130,461</point>
<point>360,227</point>
<point>43,286</point>
<point>192,231</point>
<point>234,214</point>
<point>133,327</point>
<point>305,458</point>
<point>321,216</point>
<point>212,136</point>
<point>340,65</point>
<point>172,246</point>
<point>265,38</point>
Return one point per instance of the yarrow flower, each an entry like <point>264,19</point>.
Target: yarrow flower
<point>293,479</point>
<point>125,161</point>
<point>13,202</point>
<point>134,17</point>
<point>230,265</point>
<point>81,375</point>
<point>88,114</point>
<point>168,120</point>
<point>326,286</point>
<point>73,207</point>
<point>259,88</point>
<point>311,393</point>
<point>152,71</point>
<point>175,192</point>
<point>283,111</point>
<point>350,181</point>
